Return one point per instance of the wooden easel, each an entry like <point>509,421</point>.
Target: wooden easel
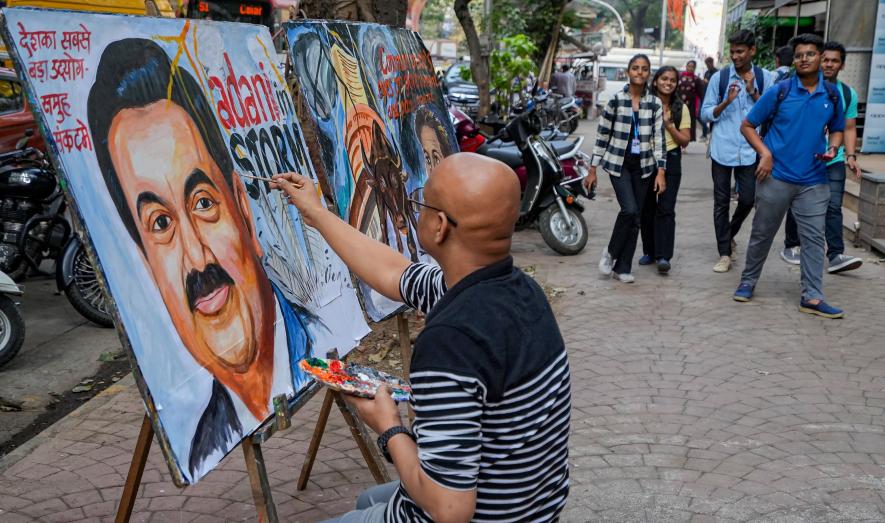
<point>405,347</point>
<point>261,493</point>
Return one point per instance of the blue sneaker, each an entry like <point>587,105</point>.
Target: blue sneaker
<point>743,293</point>
<point>645,260</point>
<point>821,309</point>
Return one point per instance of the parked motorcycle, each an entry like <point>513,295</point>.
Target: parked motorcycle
<point>33,228</point>
<point>12,326</point>
<point>550,193</point>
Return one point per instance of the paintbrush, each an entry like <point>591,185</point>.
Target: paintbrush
<point>257,178</point>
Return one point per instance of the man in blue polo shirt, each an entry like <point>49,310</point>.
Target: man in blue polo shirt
<point>832,62</point>
<point>792,171</point>
<point>730,95</point>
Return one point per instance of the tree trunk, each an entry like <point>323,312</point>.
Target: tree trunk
<point>565,37</point>
<point>387,12</point>
<point>479,64</point>
<point>637,24</point>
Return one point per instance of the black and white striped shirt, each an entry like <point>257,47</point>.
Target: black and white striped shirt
<point>613,134</point>
<point>491,394</point>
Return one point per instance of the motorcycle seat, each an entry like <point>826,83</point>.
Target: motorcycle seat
<point>509,155</point>
<point>561,147</point>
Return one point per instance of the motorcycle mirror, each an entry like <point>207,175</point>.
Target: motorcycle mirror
<point>23,141</point>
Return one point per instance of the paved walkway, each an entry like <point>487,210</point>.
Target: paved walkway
<point>687,405</point>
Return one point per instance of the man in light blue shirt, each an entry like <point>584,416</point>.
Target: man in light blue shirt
<point>832,62</point>
<point>792,171</point>
<point>731,93</point>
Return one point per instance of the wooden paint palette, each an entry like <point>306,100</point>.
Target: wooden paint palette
<point>354,379</point>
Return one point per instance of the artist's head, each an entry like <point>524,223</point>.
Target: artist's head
<point>784,56</point>
<point>470,208</point>
<point>433,137</point>
<point>691,66</point>
<point>742,48</point>
<point>167,171</point>
<point>807,49</point>
<point>832,60</point>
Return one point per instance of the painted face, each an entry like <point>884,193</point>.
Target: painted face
<point>638,71</point>
<point>195,234</point>
<point>831,63</point>
<point>432,149</point>
<point>741,55</point>
<point>806,58</point>
<point>666,83</point>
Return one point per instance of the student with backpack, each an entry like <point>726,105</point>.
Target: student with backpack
<point>792,171</point>
<point>783,59</point>
<point>832,61</point>
<point>732,92</point>
<point>658,220</point>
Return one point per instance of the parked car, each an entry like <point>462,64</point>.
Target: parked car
<point>462,94</point>
<point>15,115</point>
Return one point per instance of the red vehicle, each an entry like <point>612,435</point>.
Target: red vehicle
<point>15,115</point>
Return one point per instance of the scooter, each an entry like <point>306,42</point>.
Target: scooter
<point>12,326</point>
<point>550,199</point>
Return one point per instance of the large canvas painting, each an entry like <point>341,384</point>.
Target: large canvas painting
<point>156,125</point>
<point>381,123</point>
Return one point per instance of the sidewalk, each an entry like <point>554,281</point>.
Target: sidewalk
<point>687,406</point>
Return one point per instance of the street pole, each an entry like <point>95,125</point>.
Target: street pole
<point>663,31</point>
<point>798,14</point>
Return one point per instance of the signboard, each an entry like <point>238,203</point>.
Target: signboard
<point>156,125</point>
<point>874,126</point>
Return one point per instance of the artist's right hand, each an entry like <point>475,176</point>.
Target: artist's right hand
<point>300,192</point>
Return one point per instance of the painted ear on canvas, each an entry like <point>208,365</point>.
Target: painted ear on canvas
<point>167,169</point>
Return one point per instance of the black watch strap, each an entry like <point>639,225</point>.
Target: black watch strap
<point>383,439</point>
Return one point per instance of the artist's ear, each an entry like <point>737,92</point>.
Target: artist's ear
<point>441,228</point>
<point>242,201</point>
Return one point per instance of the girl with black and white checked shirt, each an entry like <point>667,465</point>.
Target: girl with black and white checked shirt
<point>630,147</point>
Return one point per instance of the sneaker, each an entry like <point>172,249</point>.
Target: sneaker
<point>744,293</point>
<point>605,263</point>
<point>734,250</point>
<point>663,265</point>
<point>791,255</point>
<point>820,309</point>
<point>843,262</point>
<point>625,277</point>
<point>723,265</point>
<point>645,260</point>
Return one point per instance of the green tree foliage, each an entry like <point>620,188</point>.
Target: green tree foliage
<point>511,66</point>
<point>532,18</point>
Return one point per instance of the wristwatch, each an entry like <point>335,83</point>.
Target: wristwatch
<point>384,438</point>
<point>851,156</point>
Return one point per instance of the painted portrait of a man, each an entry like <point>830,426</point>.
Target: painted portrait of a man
<point>433,138</point>
<point>166,167</point>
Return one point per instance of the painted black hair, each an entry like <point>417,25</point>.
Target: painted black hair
<point>133,73</point>
<point>836,46</point>
<point>807,39</point>
<point>742,37</point>
<point>784,55</point>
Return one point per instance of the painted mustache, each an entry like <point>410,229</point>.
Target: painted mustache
<point>207,290</point>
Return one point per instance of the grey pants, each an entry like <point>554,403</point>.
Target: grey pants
<point>809,206</point>
<point>370,506</point>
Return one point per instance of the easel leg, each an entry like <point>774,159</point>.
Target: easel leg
<point>136,469</point>
<point>405,349</point>
<point>315,440</point>
<point>267,512</point>
<point>367,448</point>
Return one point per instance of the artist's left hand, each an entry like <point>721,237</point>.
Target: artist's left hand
<point>380,413</point>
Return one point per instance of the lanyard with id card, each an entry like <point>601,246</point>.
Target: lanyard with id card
<point>634,143</point>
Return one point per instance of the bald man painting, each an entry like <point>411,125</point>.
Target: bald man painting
<point>489,373</point>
